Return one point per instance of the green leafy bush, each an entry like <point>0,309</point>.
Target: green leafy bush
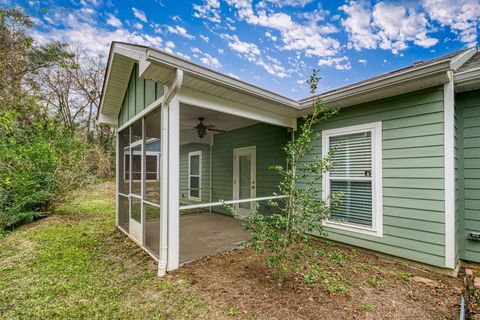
<point>40,162</point>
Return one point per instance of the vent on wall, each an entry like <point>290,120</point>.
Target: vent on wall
<point>474,236</point>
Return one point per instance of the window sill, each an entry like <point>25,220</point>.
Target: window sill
<point>353,228</point>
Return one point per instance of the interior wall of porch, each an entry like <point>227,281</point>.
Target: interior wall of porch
<point>269,141</point>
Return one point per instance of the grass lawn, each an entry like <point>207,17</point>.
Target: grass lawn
<point>76,265</point>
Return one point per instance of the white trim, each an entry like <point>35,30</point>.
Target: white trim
<point>163,229</point>
<point>117,178</point>
<point>460,59</point>
<point>150,108</point>
<point>199,71</point>
<point>220,203</point>
<point>173,260</point>
<point>252,151</point>
<point>467,80</point>
<point>236,108</point>
<point>449,135</point>
<point>396,79</point>
<point>199,176</point>
<point>377,197</point>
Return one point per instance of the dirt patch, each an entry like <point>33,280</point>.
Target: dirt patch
<point>240,284</point>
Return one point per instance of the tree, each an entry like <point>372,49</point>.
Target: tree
<point>21,57</point>
<point>285,235</point>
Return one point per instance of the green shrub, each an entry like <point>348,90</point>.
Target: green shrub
<point>40,163</point>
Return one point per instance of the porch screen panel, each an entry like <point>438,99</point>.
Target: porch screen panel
<point>136,174</point>
<point>152,157</point>
<point>136,209</point>
<point>123,165</point>
<point>152,228</point>
<point>123,212</point>
<point>351,176</point>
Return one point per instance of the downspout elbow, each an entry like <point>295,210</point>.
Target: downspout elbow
<point>174,86</point>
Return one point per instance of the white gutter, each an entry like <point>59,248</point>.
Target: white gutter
<point>202,72</point>
<point>393,80</point>
<point>467,80</point>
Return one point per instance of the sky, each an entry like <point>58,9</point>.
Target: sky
<point>273,44</point>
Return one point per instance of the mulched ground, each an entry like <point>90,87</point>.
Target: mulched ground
<point>378,288</point>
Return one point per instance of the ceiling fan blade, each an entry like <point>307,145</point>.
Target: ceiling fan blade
<point>216,130</point>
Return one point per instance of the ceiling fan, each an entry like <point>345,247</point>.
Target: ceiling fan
<point>202,128</point>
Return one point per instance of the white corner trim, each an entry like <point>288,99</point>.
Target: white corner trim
<point>377,178</point>
<point>199,154</point>
<point>449,165</point>
<point>117,178</point>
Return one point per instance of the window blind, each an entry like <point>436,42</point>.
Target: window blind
<point>351,175</point>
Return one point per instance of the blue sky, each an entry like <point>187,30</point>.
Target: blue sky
<point>272,43</point>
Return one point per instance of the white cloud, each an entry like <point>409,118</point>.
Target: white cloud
<point>210,61</point>
<point>221,51</point>
<point>246,48</point>
<point>114,21</point>
<point>462,16</point>
<point>90,37</point>
<point>170,44</point>
<point>308,38</point>
<point>204,38</point>
<point>362,61</point>
<point>387,26</point>
<point>398,25</point>
<point>139,14</point>
<point>138,26</point>
<point>358,25</point>
<point>290,3</point>
<point>176,18</point>
<point>180,31</point>
<point>252,53</point>
<point>340,63</point>
<point>209,11</point>
<point>196,50</point>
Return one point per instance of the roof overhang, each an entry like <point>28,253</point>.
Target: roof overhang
<point>206,87</point>
<point>383,87</point>
<point>467,80</point>
<point>211,89</point>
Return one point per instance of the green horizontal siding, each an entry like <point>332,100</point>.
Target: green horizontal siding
<point>469,194</point>
<point>413,175</point>
<point>205,169</point>
<point>269,141</point>
<point>140,94</point>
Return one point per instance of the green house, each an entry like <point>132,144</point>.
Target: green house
<point>191,139</point>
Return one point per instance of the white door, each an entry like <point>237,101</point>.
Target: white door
<point>244,178</point>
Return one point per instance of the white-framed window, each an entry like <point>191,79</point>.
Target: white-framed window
<point>357,174</point>
<point>194,175</point>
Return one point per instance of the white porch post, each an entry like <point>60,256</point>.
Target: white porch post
<point>173,260</point>
<point>170,175</point>
<point>449,149</point>
<point>162,254</point>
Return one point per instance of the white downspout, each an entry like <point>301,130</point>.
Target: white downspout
<point>211,170</point>
<point>170,93</point>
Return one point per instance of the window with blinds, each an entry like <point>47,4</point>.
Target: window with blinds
<point>355,175</point>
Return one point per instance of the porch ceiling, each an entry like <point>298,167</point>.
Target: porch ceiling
<point>222,121</point>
